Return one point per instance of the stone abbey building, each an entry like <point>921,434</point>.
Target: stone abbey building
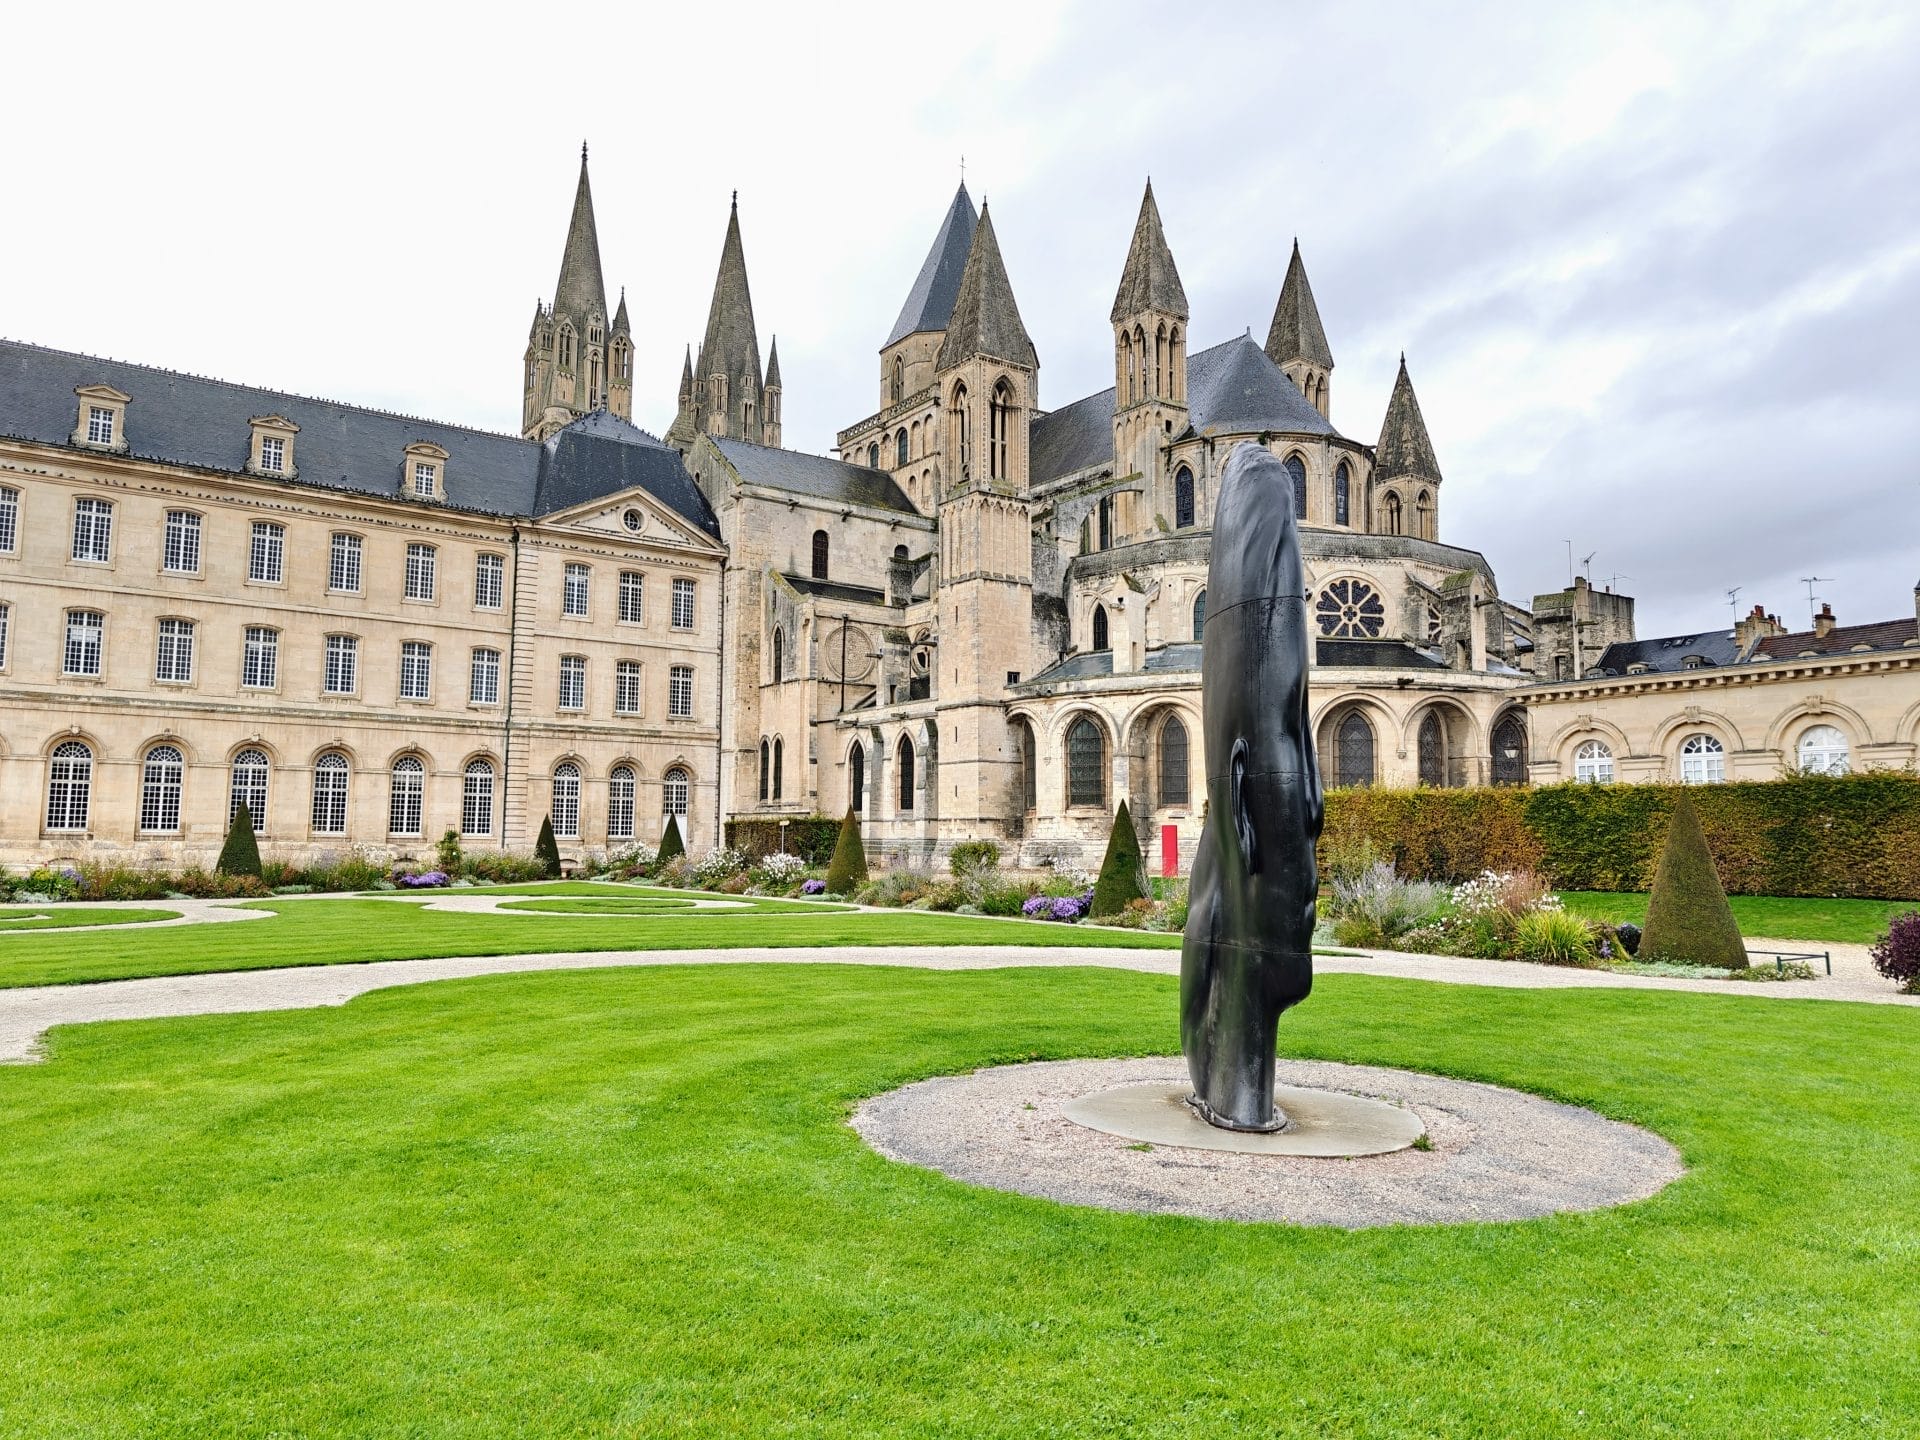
<point>979,617</point>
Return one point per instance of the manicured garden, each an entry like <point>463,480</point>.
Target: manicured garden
<point>626,1203</point>
<point>1834,922</point>
<point>16,919</point>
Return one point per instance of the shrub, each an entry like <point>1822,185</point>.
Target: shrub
<point>894,889</point>
<point>547,850</point>
<point>675,872</point>
<point>970,857</point>
<point>1555,937</point>
<point>1381,906</point>
<point>1122,872</point>
<point>1057,907</point>
<point>97,881</point>
<point>447,852</point>
<point>505,868</point>
<point>814,887</point>
<point>240,855</point>
<point>1002,897</point>
<point>672,843</point>
<point>1347,856</point>
<point>1629,936</point>
<point>211,885</point>
<point>356,870</point>
<point>811,837</point>
<point>1688,919</point>
<point>424,880</point>
<point>779,870</point>
<point>848,872</point>
<point>718,864</point>
<point>1897,953</point>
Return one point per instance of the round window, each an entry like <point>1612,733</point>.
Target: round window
<point>1349,609</point>
<point>633,520</point>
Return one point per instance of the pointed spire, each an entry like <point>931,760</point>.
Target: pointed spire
<point>1404,447</point>
<point>686,377</point>
<point>581,291</point>
<point>1150,281</point>
<point>773,365</point>
<point>986,319</point>
<point>1296,333</point>
<point>731,347</point>
<point>930,301</point>
<point>620,322</point>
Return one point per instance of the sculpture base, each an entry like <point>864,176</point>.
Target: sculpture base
<point>1326,1123</point>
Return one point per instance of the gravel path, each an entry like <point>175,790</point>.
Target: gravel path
<point>27,1012</point>
<point>1496,1154</point>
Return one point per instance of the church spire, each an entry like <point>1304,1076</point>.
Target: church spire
<point>1404,448</point>
<point>729,370</point>
<point>986,319</point>
<point>580,291</point>
<point>1296,342</point>
<point>574,364</point>
<point>1151,281</point>
<point>929,303</point>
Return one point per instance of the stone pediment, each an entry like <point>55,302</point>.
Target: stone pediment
<point>635,515</point>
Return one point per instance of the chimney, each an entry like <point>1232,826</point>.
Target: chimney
<point>1916,607</point>
<point>1824,622</point>
<point>1750,630</point>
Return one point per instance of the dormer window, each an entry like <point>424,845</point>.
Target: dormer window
<point>423,471</point>
<point>102,421</point>
<point>272,446</point>
<point>426,477</point>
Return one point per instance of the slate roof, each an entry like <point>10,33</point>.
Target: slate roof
<point>1373,654</point>
<point>580,291</point>
<point>1670,652</point>
<point>179,419</point>
<point>930,301</point>
<point>835,590</point>
<point>1089,665</point>
<point>820,476</point>
<point>731,347</point>
<point>1150,280</point>
<point>1232,388</point>
<point>773,365</point>
<point>1880,635</point>
<point>1174,657</point>
<point>1404,447</point>
<point>1296,333</point>
<point>986,319</point>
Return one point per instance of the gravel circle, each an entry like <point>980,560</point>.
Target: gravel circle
<point>1497,1154</point>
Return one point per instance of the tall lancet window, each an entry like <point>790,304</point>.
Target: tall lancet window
<point>962,436</point>
<point>1182,498</point>
<point>1342,495</point>
<point>999,421</point>
<point>899,391</point>
<point>1297,472</point>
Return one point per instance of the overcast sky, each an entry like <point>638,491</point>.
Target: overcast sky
<point>1656,269</point>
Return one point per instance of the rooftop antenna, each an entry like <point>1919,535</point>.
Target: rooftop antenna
<point>1567,543</point>
<point>1810,581</point>
<point>963,169</point>
<point>1586,564</point>
<point>1614,579</point>
<point>1733,597</point>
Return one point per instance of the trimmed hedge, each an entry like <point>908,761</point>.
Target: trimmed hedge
<point>1847,835</point>
<point>811,837</point>
<point>849,869</point>
<point>1688,919</point>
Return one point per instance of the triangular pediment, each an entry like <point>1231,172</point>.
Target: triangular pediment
<point>650,519</point>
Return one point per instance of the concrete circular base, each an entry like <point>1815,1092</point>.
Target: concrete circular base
<point>1111,1133</point>
<point>1319,1122</point>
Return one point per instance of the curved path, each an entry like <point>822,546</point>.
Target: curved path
<point>28,1012</point>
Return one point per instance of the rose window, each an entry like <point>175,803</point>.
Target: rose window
<point>1350,608</point>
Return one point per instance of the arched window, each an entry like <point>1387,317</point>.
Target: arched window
<point>1029,765</point>
<point>962,437</point>
<point>1297,473</point>
<point>999,422</point>
<point>1390,514</point>
<point>1176,390</point>
<point>1126,368</point>
<point>899,390</point>
<point>779,654</point>
<point>915,446</point>
<point>1423,514</point>
<point>247,785</point>
<point>900,447</point>
<point>565,810</point>
<point>1433,750</point>
<point>1593,763</point>
<point>1703,761</point>
<point>1086,763</point>
<point>873,456</point>
<point>160,778</point>
<point>1510,750</point>
<point>1100,641</point>
<point>746,417</point>
<point>766,769</point>
<point>1160,361</point>
<point>1140,358</point>
<point>1182,498</point>
<point>820,548</point>
<point>1823,751</point>
<point>779,755</point>
<point>1353,750</point>
<point>1175,783</point>
<point>1199,614</point>
<point>906,772</point>
<point>407,799</point>
<point>330,794</point>
<point>675,787</point>
<point>620,789</point>
<point>857,777</point>
<point>69,786</point>
<point>1103,522</point>
<point>1342,494</point>
<point>476,798</point>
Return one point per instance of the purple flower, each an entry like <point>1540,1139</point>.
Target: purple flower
<point>426,880</point>
<point>814,887</point>
<point>1067,908</point>
<point>1036,905</point>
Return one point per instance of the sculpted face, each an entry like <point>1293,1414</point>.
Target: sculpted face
<point>1248,950</point>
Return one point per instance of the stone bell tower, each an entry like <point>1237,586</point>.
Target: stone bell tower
<point>576,362</point>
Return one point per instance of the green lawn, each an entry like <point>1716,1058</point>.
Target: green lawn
<point>330,932</point>
<point>1852,922</point>
<point>625,1203</point>
<point>17,918</point>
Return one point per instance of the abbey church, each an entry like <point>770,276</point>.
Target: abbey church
<point>979,617</point>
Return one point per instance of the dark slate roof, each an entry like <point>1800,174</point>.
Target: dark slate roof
<point>1150,280</point>
<point>1174,657</point>
<point>731,347</point>
<point>834,590</point>
<point>1232,389</point>
<point>1373,654</point>
<point>930,301</point>
<point>1404,447</point>
<point>1881,635</point>
<point>817,475</point>
<point>1296,333</point>
<point>580,291</point>
<point>1089,665</point>
<point>601,454</point>
<point>1670,652</point>
<point>986,319</point>
<point>179,419</point>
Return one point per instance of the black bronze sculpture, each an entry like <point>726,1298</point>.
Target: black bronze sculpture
<point>1248,951</point>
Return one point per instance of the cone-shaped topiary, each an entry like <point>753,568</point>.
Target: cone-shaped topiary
<point>547,850</point>
<point>848,872</point>
<point>1688,919</point>
<point>1122,871</point>
<point>241,854</point>
<point>670,843</point>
